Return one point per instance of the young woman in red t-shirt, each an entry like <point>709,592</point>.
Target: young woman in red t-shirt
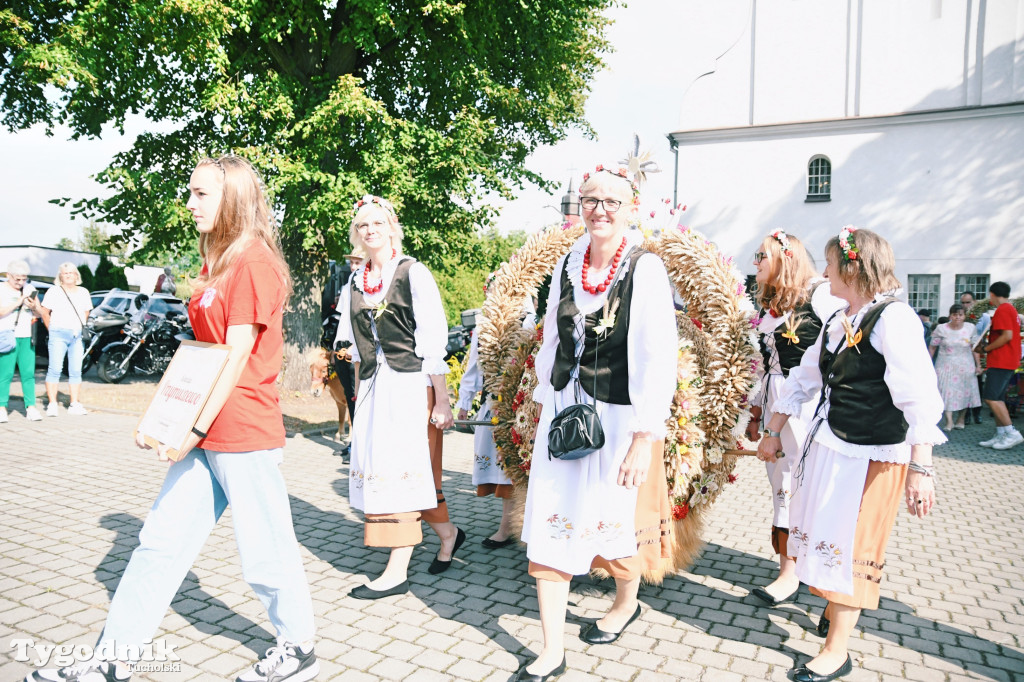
<point>236,447</point>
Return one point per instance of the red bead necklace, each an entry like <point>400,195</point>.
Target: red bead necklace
<point>594,289</point>
<point>367,289</point>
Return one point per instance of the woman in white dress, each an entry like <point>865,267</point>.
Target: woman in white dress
<point>794,302</point>
<point>391,313</point>
<point>870,441</point>
<point>610,305</point>
<point>956,366</point>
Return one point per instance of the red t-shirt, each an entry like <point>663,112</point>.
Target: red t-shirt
<point>252,293</point>
<point>1006,356</point>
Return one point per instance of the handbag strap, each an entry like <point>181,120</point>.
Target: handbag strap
<point>72,306</point>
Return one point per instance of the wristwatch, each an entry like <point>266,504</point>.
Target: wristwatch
<point>771,434</point>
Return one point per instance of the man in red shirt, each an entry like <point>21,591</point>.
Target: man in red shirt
<point>1004,356</point>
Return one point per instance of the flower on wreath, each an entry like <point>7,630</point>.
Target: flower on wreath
<point>679,511</point>
<point>714,455</point>
<point>704,489</point>
<point>847,243</point>
<point>783,240</point>
<point>733,478</point>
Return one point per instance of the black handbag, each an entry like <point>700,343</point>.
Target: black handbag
<point>576,430</point>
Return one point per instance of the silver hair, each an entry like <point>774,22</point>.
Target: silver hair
<point>17,267</point>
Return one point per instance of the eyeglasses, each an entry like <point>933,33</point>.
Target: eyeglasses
<point>610,205</point>
<point>759,256</point>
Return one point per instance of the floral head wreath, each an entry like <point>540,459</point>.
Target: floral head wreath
<point>847,244</point>
<point>371,199</point>
<point>783,239</point>
<point>622,172</point>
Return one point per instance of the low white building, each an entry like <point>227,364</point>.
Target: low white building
<point>43,262</point>
<point>906,118</point>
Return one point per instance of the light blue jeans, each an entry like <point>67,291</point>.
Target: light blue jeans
<point>194,495</point>
<point>65,341</point>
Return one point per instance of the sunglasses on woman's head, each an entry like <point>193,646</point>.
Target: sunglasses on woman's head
<point>759,256</point>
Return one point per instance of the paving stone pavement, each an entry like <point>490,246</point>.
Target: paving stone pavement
<point>75,492</point>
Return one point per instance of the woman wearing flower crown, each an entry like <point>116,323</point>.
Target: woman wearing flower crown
<point>609,318</point>
<point>391,313</point>
<point>871,440</point>
<point>794,302</point>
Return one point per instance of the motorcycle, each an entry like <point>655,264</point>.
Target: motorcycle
<point>105,328</point>
<point>147,349</point>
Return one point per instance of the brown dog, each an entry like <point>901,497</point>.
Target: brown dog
<point>323,376</point>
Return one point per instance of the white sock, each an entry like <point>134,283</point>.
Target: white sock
<point>1003,430</point>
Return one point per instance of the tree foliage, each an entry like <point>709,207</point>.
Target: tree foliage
<point>434,104</point>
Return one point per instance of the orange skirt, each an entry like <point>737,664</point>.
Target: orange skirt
<point>883,492</point>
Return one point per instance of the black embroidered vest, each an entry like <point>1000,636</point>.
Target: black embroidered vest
<point>612,366</point>
<point>791,352</point>
<point>861,410</point>
<point>395,326</point>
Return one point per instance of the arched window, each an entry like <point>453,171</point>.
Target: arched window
<point>819,179</point>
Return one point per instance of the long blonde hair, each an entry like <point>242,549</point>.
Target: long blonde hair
<point>243,216</point>
<point>790,274</point>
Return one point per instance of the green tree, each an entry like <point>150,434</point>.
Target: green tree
<point>435,104</point>
<point>88,279</point>
<point>109,276</point>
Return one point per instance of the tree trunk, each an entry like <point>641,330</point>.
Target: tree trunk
<point>302,323</point>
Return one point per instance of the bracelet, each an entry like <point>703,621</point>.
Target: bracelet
<point>771,434</point>
<point>922,469</point>
<point>198,432</point>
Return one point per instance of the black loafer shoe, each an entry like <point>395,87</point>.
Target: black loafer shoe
<point>595,635</point>
<point>523,676</point>
<point>805,674</point>
<point>438,566</point>
<point>497,544</point>
<point>766,597</point>
<point>364,592</point>
<point>822,627</point>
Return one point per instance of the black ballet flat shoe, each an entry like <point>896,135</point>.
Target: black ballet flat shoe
<point>497,544</point>
<point>805,674</point>
<point>822,626</point>
<point>523,676</point>
<point>438,566</point>
<point>766,597</point>
<point>595,635</point>
<point>364,592</point>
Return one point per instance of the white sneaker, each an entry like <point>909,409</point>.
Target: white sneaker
<point>1008,441</point>
<point>32,414</point>
<point>283,663</point>
<point>3,415</point>
<point>90,671</point>
<point>77,408</point>
<point>53,409</point>
<point>991,441</point>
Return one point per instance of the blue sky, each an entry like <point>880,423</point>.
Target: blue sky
<point>640,92</point>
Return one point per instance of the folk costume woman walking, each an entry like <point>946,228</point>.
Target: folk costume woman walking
<point>234,452</point>
<point>794,302</point>
<point>870,441</point>
<point>609,316</point>
<point>392,314</point>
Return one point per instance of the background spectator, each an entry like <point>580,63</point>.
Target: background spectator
<point>1003,348</point>
<point>65,309</point>
<point>18,306</point>
<point>956,366</point>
